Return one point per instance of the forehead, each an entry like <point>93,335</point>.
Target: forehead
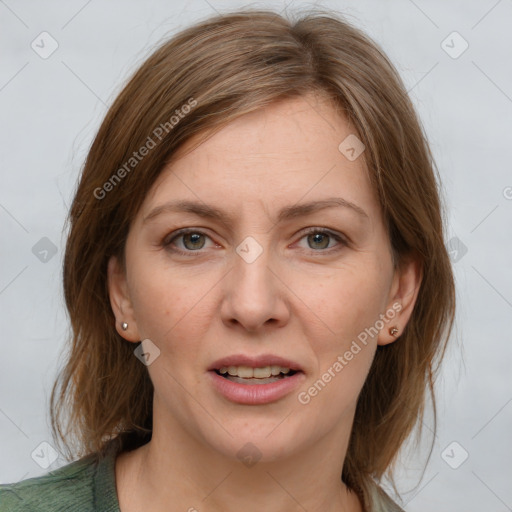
<point>277,155</point>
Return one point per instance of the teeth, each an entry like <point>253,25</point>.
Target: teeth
<point>246,372</point>
<point>259,373</point>
<point>275,370</point>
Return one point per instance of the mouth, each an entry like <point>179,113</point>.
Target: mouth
<point>254,376</point>
<point>256,380</point>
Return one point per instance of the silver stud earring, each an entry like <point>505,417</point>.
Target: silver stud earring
<point>124,326</point>
<point>393,331</point>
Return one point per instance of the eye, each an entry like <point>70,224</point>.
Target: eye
<point>319,239</point>
<point>193,240</point>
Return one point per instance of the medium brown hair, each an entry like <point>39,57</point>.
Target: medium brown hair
<point>230,65</point>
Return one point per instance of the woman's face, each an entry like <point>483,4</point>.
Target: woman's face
<point>266,278</point>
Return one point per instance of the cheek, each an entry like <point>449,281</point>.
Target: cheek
<point>344,303</point>
<point>343,308</point>
<point>170,308</point>
<point>348,307</point>
<point>155,306</point>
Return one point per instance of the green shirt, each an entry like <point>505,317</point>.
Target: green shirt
<point>89,486</point>
<point>81,486</point>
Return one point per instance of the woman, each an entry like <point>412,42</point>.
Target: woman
<point>256,279</point>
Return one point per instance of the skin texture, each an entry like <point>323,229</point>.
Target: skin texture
<point>305,298</point>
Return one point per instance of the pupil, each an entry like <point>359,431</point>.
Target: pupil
<point>317,238</point>
<point>194,237</point>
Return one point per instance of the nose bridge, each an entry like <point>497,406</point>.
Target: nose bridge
<point>252,290</point>
<point>251,272</point>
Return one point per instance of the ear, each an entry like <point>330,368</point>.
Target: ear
<point>120,301</point>
<point>402,298</point>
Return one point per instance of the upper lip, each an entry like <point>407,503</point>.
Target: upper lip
<point>255,362</point>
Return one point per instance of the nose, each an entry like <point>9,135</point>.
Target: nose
<point>254,296</point>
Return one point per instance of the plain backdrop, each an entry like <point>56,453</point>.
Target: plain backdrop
<point>455,60</point>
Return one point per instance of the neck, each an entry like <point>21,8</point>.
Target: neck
<point>187,475</point>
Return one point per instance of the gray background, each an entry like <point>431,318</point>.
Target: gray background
<point>52,107</point>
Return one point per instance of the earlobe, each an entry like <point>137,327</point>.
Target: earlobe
<point>120,301</point>
<point>403,296</point>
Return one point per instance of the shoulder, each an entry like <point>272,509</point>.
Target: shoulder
<point>70,487</point>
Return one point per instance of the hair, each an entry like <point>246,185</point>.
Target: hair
<point>227,66</point>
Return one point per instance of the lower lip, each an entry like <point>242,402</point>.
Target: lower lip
<point>255,394</point>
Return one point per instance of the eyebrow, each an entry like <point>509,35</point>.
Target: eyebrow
<point>287,213</point>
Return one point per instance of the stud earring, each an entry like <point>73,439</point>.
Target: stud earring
<point>124,326</point>
<point>393,331</point>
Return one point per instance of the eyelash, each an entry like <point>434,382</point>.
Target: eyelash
<point>309,231</point>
